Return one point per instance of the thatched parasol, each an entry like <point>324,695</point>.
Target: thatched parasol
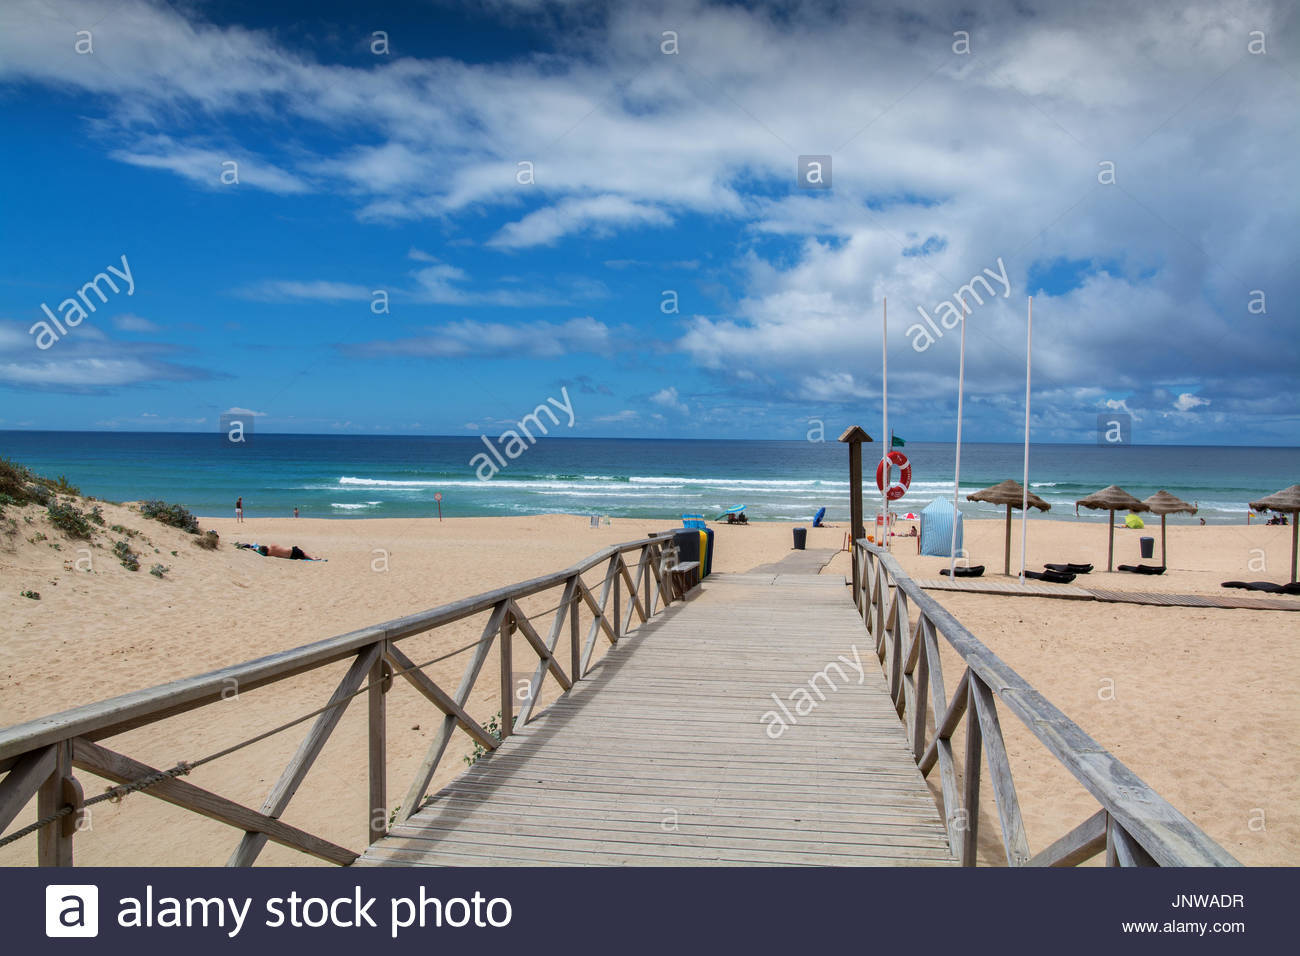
<point>1286,501</point>
<point>1112,498</point>
<point>1163,503</point>
<point>1009,493</point>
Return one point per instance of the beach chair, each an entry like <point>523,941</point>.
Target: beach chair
<point>1051,576</point>
<point>1268,587</point>
<point>693,521</point>
<point>1070,568</point>
<point>1141,568</point>
<point>974,571</point>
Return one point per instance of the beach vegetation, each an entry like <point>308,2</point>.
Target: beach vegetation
<point>96,514</point>
<point>209,540</point>
<point>64,487</point>
<point>128,558</point>
<point>493,728</point>
<point>69,519</point>
<point>158,570</point>
<point>121,529</point>
<point>34,595</point>
<point>177,516</point>
<point>39,493</point>
<point>39,536</point>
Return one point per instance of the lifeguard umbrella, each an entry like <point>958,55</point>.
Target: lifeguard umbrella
<point>1012,494</point>
<point>1112,498</point>
<point>1163,503</point>
<point>1287,501</point>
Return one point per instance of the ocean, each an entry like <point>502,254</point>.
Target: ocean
<point>380,477</point>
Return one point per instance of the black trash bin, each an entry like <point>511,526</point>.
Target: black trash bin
<point>800,538</point>
<point>1148,547</point>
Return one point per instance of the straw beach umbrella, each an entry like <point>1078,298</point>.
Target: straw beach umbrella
<point>1012,494</point>
<point>1163,503</point>
<point>1112,498</point>
<point>1287,501</point>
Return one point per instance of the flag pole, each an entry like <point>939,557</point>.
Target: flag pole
<point>956,476</point>
<point>884,404</point>
<point>1024,498</point>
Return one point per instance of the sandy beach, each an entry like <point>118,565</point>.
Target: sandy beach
<point>1199,702</point>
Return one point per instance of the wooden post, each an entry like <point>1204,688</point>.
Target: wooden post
<point>507,678</point>
<point>575,647</point>
<point>618,598</point>
<point>971,771</point>
<point>379,678</point>
<point>54,842</point>
<point>1006,560</point>
<point>1110,547</point>
<point>1163,559</point>
<point>854,437</point>
<point>1295,529</point>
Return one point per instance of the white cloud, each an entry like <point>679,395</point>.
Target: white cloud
<point>669,399</point>
<point>134,323</point>
<point>599,214</point>
<point>235,410</point>
<point>537,339</point>
<point>286,290</point>
<point>1187,401</point>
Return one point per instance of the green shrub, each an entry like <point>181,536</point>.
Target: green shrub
<point>158,570</point>
<point>38,493</point>
<point>96,515</point>
<point>129,559</point>
<point>209,540</point>
<point>14,479</point>
<point>129,532</point>
<point>69,519</point>
<point>34,595</point>
<point>494,729</point>
<point>177,516</point>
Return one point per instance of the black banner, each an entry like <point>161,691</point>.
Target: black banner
<point>649,910</point>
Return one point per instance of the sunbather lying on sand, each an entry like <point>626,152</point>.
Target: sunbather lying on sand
<point>279,551</point>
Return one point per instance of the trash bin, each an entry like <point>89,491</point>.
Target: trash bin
<point>800,538</point>
<point>1148,547</point>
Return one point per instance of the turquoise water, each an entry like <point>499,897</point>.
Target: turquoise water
<point>351,476</point>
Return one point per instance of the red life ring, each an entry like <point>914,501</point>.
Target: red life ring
<point>898,488</point>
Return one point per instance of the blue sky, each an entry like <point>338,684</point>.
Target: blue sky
<point>664,265</point>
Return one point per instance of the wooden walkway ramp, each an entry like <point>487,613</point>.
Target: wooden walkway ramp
<point>1012,585</point>
<point>671,753</point>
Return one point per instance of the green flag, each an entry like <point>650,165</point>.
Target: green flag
<point>897,442</point>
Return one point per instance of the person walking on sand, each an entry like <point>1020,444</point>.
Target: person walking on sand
<point>239,509</point>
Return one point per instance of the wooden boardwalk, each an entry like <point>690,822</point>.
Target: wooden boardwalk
<point>1012,585</point>
<point>663,755</point>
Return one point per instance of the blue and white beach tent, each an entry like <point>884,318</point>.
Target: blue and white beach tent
<point>936,528</point>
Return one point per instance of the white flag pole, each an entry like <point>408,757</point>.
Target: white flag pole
<point>956,476</point>
<point>884,404</point>
<point>1024,499</point>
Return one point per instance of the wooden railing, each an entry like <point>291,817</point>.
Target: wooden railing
<point>39,757</point>
<point>1135,825</point>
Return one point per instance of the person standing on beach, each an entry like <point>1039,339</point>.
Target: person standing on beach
<point>239,509</point>
<point>295,511</point>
